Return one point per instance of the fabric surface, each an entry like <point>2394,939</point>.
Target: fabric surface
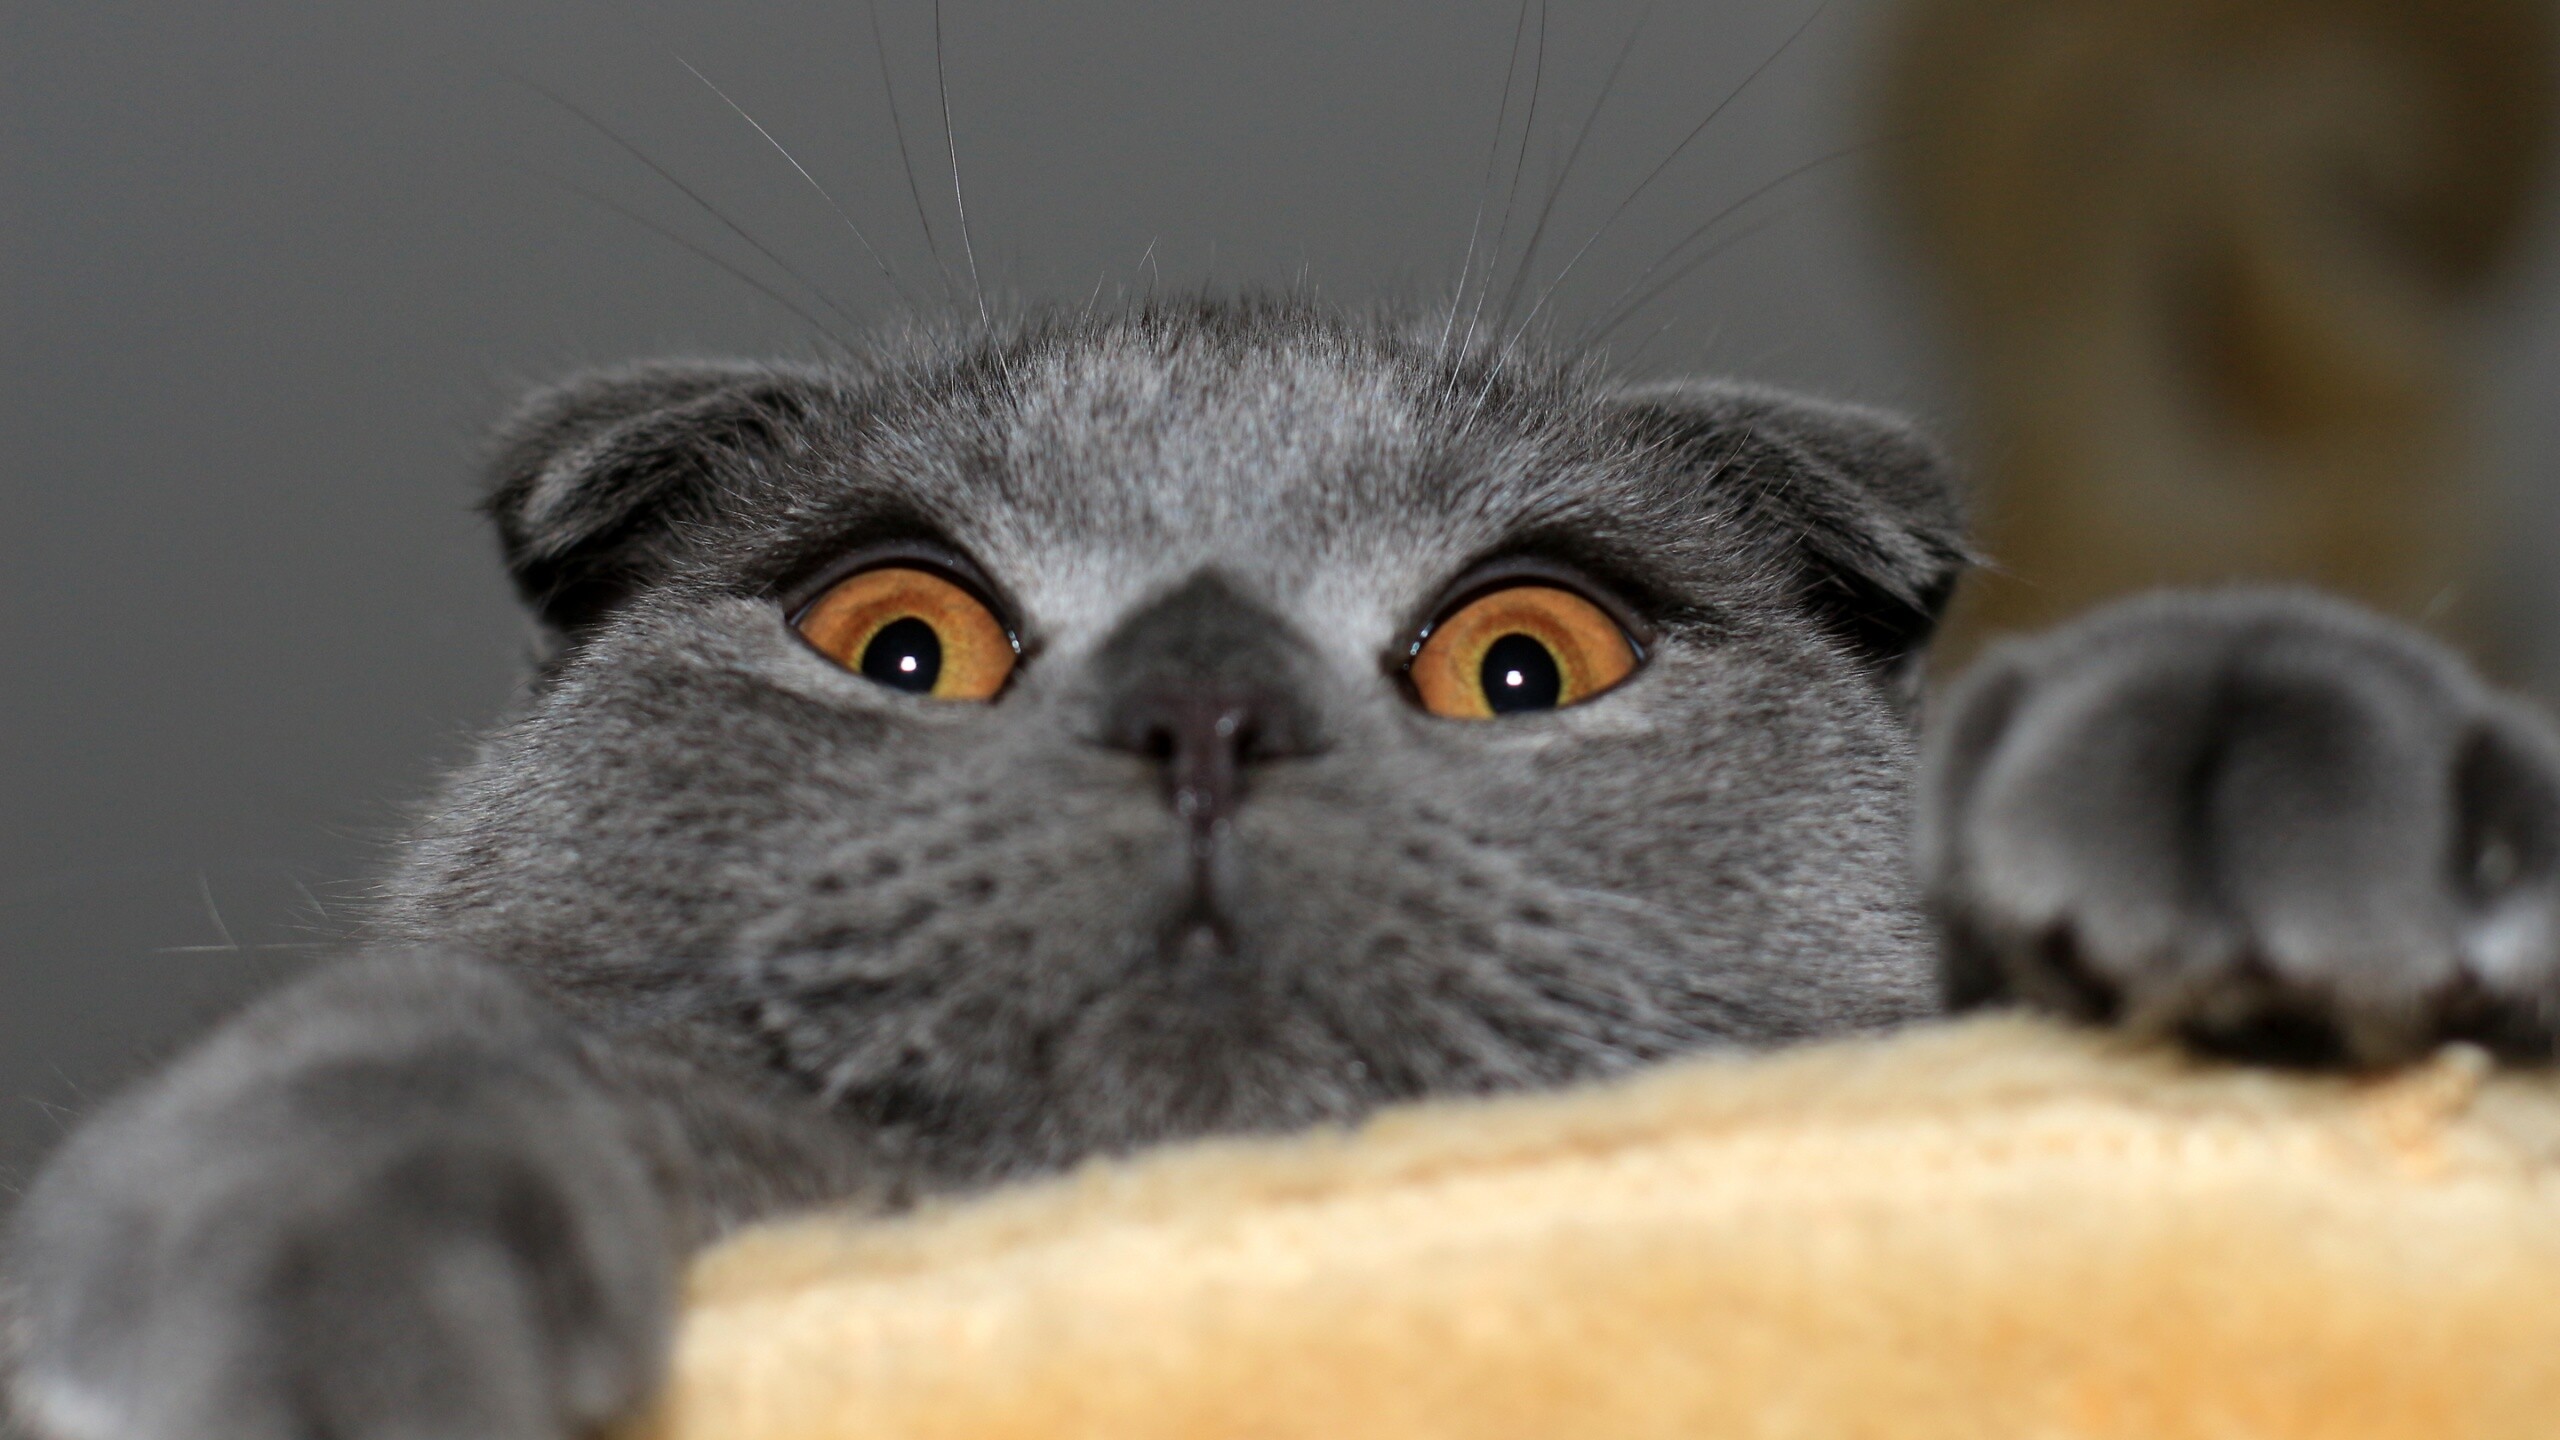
<point>1992,1229</point>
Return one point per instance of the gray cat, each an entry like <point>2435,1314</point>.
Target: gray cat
<point>1226,717</point>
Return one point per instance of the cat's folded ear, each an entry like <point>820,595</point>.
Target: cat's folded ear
<point>593,480</point>
<point>1867,508</point>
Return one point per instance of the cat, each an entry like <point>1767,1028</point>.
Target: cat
<point>1064,736</point>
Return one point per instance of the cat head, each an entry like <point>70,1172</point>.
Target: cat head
<point>1205,828</point>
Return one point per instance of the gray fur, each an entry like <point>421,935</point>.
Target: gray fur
<point>2263,820</point>
<point>715,928</point>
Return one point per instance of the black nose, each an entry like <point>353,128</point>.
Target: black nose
<point>1209,684</point>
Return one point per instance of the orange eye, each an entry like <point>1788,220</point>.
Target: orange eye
<point>1523,647</point>
<point>911,630</point>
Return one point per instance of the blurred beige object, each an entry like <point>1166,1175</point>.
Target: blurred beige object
<point>1995,1230</point>
<point>2209,262</point>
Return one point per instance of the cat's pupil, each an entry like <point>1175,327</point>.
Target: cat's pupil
<point>1519,674</point>
<point>904,655</point>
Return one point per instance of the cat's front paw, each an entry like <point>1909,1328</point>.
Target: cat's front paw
<point>2264,821</point>
<point>429,1246</point>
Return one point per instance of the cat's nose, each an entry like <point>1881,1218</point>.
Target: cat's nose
<point>1209,684</point>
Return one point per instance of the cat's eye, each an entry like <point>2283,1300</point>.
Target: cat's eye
<point>911,629</point>
<point>1519,648</point>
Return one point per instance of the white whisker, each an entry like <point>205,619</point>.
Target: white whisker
<point>951,143</point>
<point>204,887</point>
<point>1564,172</point>
<point>1610,221</point>
<point>1484,188</point>
<point>1623,308</point>
<point>662,232</point>
<point>1511,193</point>
<point>906,156</point>
<point>780,149</point>
<point>701,203</point>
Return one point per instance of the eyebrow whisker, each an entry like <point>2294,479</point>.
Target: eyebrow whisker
<point>1511,192</point>
<point>1621,309</point>
<point>906,156</point>
<point>886,272</point>
<point>663,232</point>
<point>1484,189</point>
<point>1610,221</point>
<point>1546,212</point>
<point>701,203</point>
<point>951,143</point>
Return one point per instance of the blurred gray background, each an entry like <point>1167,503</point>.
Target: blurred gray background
<point>270,267</point>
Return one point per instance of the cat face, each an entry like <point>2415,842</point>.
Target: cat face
<point>1205,861</point>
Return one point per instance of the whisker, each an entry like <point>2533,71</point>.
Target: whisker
<point>1669,158</point>
<point>704,205</point>
<point>1511,193</point>
<point>1555,192</point>
<point>1728,243</point>
<point>1654,336</point>
<point>319,911</point>
<point>906,157</point>
<point>718,261</point>
<point>959,201</point>
<point>1622,310</point>
<point>204,887</point>
<point>1634,359</point>
<point>1484,189</point>
<point>886,273</point>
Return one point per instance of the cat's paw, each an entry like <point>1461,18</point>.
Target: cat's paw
<point>2264,821</point>
<point>428,1249</point>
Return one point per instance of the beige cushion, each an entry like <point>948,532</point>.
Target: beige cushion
<point>1993,1229</point>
